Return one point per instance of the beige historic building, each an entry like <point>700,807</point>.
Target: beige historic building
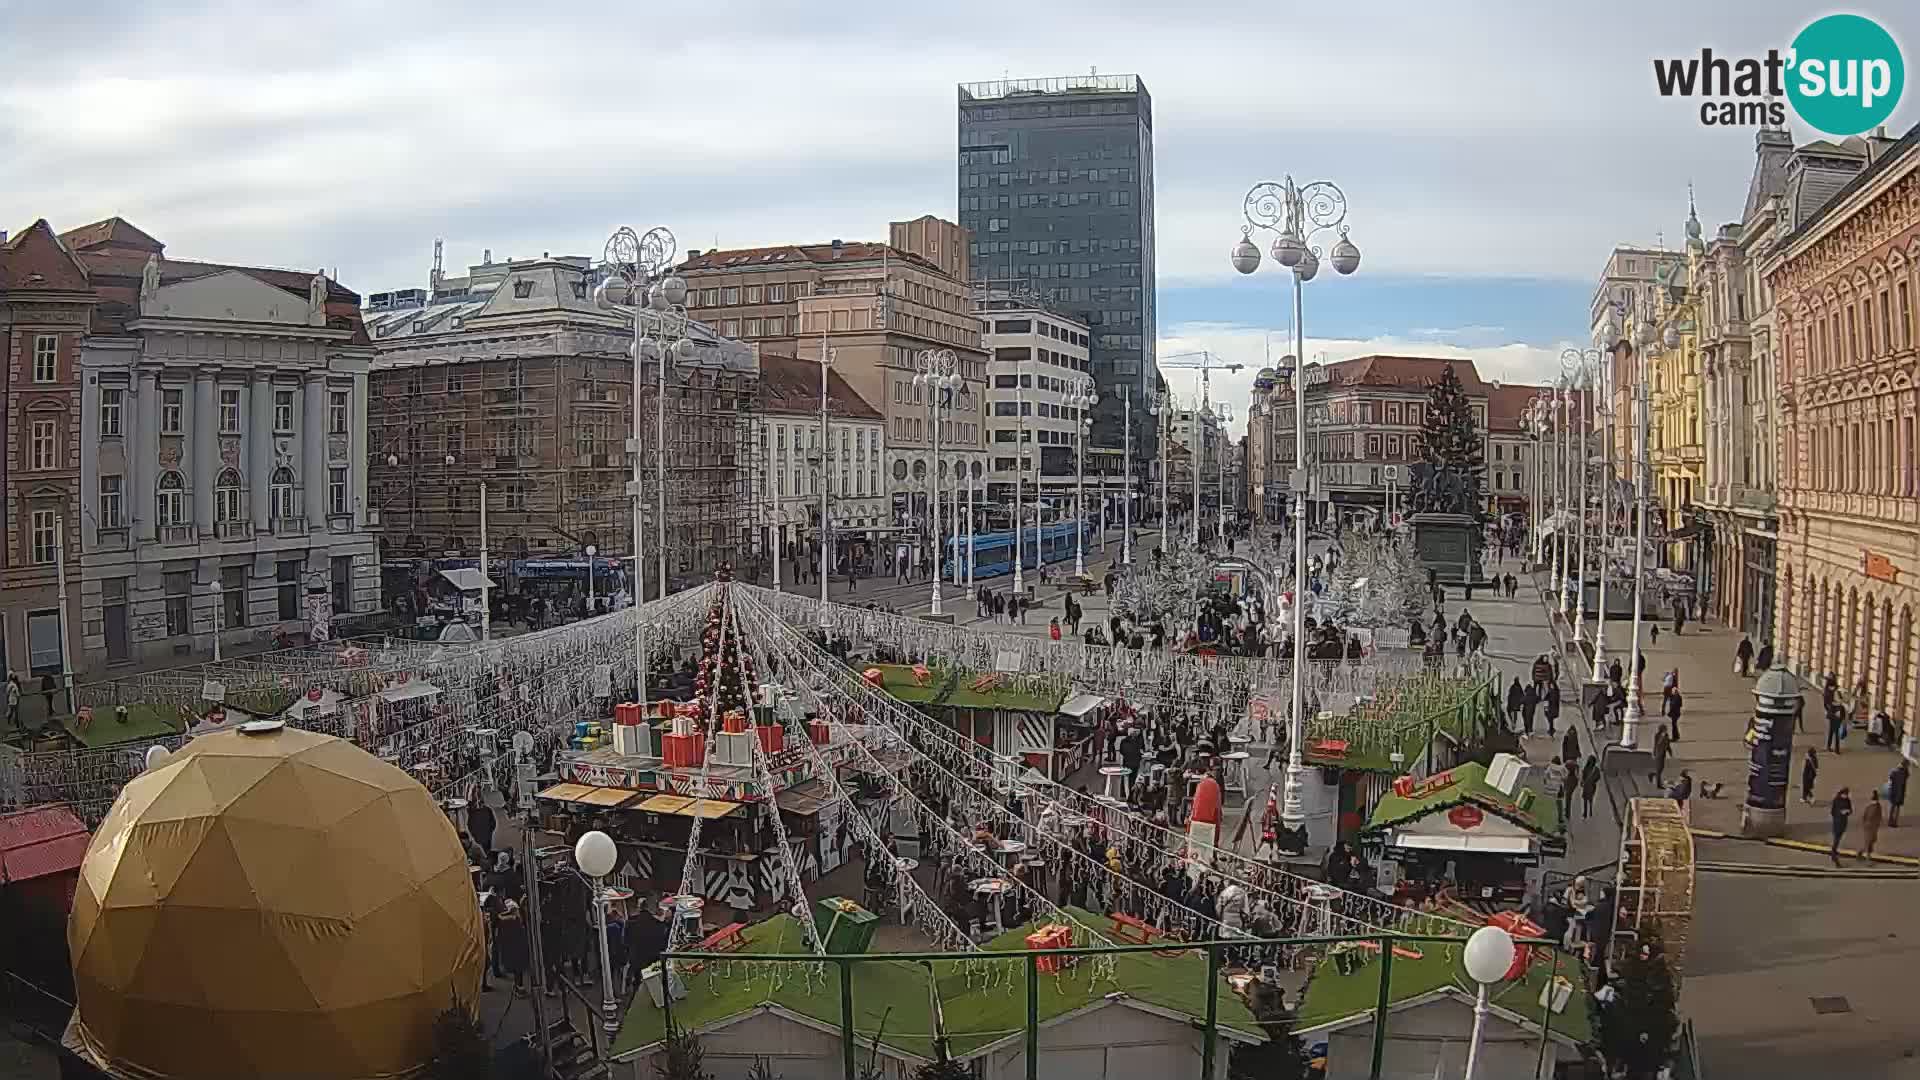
<point>1844,283</point>
<point>873,308</point>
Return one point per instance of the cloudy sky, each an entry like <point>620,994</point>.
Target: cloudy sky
<point>1491,153</point>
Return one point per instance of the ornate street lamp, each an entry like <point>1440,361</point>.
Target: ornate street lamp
<point>1296,214</point>
<point>937,372</point>
<point>640,285</point>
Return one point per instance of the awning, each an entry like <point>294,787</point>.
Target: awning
<point>566,792</point>
<point>683,806</point>
<point>803,799</point>
<point>1080,705</point>
<point>407,692</point>
<point>1482,845</point>
<point>608,797</point>
<point>466,580</point>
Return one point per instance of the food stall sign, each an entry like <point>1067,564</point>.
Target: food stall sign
<point>1466,817</point>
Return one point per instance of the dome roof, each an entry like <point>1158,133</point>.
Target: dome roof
<point>275,904</point>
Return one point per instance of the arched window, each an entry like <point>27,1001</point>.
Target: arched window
<point>284,496</point>
<point>228,507</point>
<point>171,510</point>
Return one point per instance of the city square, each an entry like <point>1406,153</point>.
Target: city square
<point>662,660</point>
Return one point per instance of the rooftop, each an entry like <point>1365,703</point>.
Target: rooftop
<point>36,260</point>
<point>1332,998</point>
<point>784,255</point>
<point>890,998</point>
<point>1463,785</point>
<point>1405,372</point>
<point>1092,83</point>
<point>791,386</point>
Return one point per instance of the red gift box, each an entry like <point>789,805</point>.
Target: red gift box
<point>819,732</point>
<point>626,714</point>
<point>683,751</point>
<point>1050,937</point>
<point>1518,925</point>
<point>734,723</point>
<point>773,738</point>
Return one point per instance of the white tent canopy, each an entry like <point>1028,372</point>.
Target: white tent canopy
<point>466,579</point>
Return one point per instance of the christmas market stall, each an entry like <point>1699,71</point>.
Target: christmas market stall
<point>1012,716</point>
<point>1474,833</point>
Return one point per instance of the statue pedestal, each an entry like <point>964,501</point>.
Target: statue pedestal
<point>1449,545</point>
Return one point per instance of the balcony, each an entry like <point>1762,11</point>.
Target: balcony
<point>112,539</point>
<point>241,529</point>
<point>289,526</point>
<point>177,534</point>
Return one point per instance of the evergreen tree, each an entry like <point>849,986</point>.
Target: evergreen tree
<point>1282,1057</point>
<point>1450,439</point>
<point>459,1046</point>
<point>724,672</point>
<point>944,1069</point>
<point>682,1057</point>
<point>1638,1028</point>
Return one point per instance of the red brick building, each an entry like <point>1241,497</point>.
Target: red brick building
<point>46,301</point>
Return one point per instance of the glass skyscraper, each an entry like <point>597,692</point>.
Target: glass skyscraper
<point>1056,184</point>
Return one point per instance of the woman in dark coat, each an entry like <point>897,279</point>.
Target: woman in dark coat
<point>512,943</point>
<point>480,822</point>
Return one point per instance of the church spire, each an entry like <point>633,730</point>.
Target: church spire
<point>1693,220</point>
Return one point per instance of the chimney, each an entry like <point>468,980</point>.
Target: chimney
<point>693,253</point>
<point>837,246</point>
<point>486,256</point>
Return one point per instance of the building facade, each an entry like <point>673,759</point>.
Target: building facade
<point>1737,503</point>
<point>224,417</point>
<point>512,377</point>
<point>1676,436</point>
<point>1038,359</point>
<point>1056,188</point>
<point>1628,283</point>
<point>46,301</point>
<point>874,309</point>
<point>790,485</point>
<point>1844,280</point>
<point>1516,454</point>
<point>1363,430</point>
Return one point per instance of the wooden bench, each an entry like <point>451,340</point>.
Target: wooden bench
<point>1132,931</point>
<point>730,938</point>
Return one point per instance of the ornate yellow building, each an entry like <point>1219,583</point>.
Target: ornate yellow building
<point>1845,279</point>
<point>1676,439</point>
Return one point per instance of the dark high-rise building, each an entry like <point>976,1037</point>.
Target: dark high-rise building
<point>1056,186</point>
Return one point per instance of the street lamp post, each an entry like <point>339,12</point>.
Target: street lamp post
<point>1488,958</point>
<point>1630,730</point>
<point>592,551</point>
<point>826,482</point>
<point>968,468</point>
<point>218,604</point>
<point>1019,482</point>
<point>1564,481</point>
<point>596,855</point>
<point>1582,365</point>
<point>1225,415</point>
<point>1082,402</point>
<point>1126,488</point>
<point>639,284</point>
<point>1160,407</point>
<point>1296,214</point>
<point>1201,421</point>
<point>937,372</point>
<point>1603,415</point>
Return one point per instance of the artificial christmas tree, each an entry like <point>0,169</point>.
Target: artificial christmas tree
<point>1444,495</point>
<point>1639,1019</point>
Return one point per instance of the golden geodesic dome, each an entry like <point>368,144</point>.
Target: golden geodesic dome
<point>273,904</point>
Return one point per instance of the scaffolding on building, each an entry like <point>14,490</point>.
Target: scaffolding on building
<point>543,416</point>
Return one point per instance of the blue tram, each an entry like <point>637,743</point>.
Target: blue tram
<point>993,552</point>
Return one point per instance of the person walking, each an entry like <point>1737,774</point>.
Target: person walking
<point>1841,811</point>
<point>13,699</point>
<point>1682,791</point>
<point>1589,783</point>
<point>1836,726</point>
<point>1570,746</point>
<point>1515,698</point>
<point>480,823</point>
<point>1568,784</point>
<point>1896,793</point>
<point>1809,772</point>
<point>1529,702</point>
<point>1661,743</point>
<point>1743,655</point>
<point>1764,659</point>
<point>1553,706</point>
<point>1673,712</point>
<point>1872,816</point>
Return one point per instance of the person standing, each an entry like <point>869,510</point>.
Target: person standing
<point>1896,793</point>
<point>1589,783</point>
<point>1809,772</point>
<point>1514,700</point>
<point>1661,743</point>
<point>1673,712</point>
<point>1555,783</point>
<point>1841,811</point>
<point>1764,660</point>
<point>1529,702</point>
<point>480,823</point>
<point>13,699</point>
<point>1836,725</point>
<point>1570,747</point>
<point>512,944</point>
<point>1553,706</point>
<point>1872,816</point>
<point>1743,655</point>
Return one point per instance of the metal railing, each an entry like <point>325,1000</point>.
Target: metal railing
<point>1209,1025</point>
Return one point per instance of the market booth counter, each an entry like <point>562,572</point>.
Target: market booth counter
<point>1490,824</point>
<point>649,804</point>
<point>1014,716</point>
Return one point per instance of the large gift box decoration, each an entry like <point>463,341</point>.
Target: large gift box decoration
<point>683,751</point>
<point>773,738</point>
<point>733,748</point>
<point>846,926</point>
<point>1051,936</point>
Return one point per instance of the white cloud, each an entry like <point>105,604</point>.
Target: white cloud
<point>1472,140</point>
<point>1248,346</point>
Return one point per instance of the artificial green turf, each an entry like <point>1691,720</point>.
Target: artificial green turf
<point>890,996</point>
<point>951,688</point>
<point>143,722</point>
<point>1470,786</point>
<point>1332,997</point>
